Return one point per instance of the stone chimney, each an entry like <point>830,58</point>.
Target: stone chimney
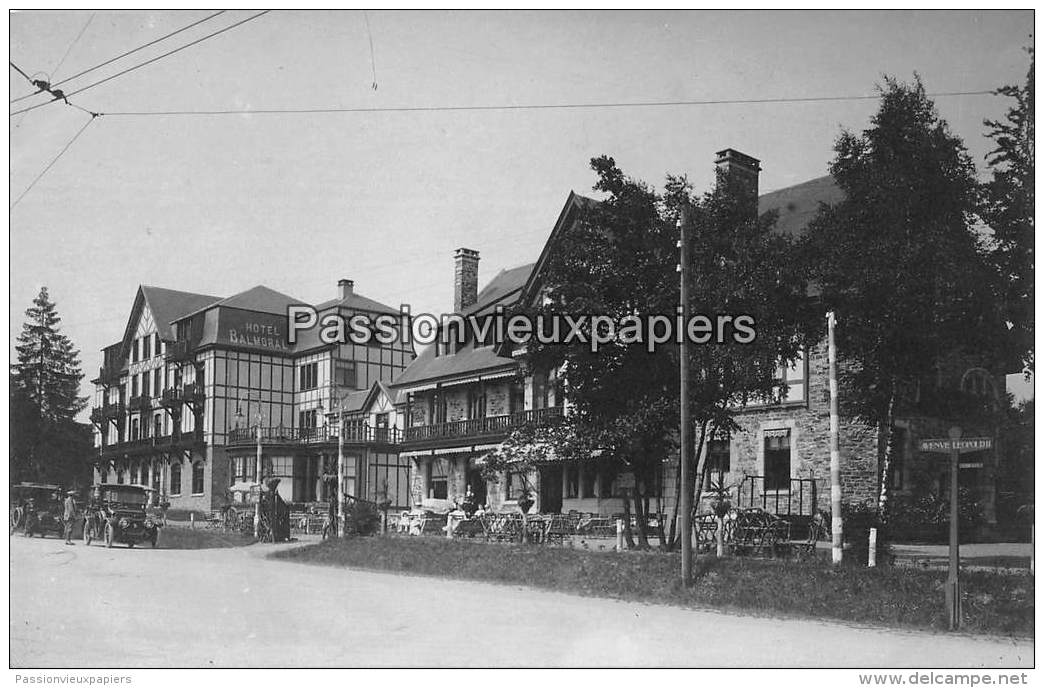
<point>345,287</point>
<point>739,171</point>
<point>465,279</point>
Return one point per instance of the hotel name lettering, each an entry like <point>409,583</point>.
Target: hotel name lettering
<point>257,335</point>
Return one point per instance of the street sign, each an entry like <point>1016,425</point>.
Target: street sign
<point>977,464</point>
<point>961,445</point>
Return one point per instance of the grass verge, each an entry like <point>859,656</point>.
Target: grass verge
<point>994,603</point>
<point>178,537</point>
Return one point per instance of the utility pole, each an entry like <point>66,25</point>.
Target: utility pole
<point>953,577</point>
<point>686,420</point>
<point>257,468</point>
<point>835,451</point>
<point>340,468</point>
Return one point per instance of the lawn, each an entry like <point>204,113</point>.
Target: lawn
<point>994,603</point>
<point>181,537</point>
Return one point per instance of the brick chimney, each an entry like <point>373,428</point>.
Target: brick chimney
<point>345,287</point>
<point>740,171</point>
<point>465,279</point>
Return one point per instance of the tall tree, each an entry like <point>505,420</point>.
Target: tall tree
<point>620,261</point>
<point>898,260</point>
<point>46,441</point>
<point>1008,210</point>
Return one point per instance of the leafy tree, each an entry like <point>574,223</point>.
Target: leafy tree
<point>1008,210</point>
<point>620,261</point>
<point>46,441</point>
<point>898,260</point>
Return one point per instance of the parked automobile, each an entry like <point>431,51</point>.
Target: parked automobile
<point>116,513</point>
<point>36,509</point>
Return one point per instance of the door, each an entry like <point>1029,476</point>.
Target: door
<point>551,489</point>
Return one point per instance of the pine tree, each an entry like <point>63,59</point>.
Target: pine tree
<point>46,441</point>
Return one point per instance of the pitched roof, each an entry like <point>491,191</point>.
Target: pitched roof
<point>798,204</point>
<point>168,305</point>
<point>260,299</point>
<point>504,289</point>
<point>358,302</point>
<point>468,360</point>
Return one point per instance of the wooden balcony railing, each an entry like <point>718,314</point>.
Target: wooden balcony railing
<point>481,427</point>
<point>177,351</point>
<point>141,402</point>
<point>354,434</point>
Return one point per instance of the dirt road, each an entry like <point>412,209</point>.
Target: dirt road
<point>92,607</point>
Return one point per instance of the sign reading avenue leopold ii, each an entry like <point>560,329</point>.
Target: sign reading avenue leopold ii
<point>961,445</point>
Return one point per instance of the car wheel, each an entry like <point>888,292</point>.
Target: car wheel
<point>109,535</point>
<point>152,540</point>
<point>88,533</point>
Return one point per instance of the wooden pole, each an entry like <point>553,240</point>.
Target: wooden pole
<point>953,580</point>
<point>836,522</point>
<point>686,420</point>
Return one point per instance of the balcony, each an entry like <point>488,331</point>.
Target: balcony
<point>144,445</point>
<point>488,428</point>
<point>178,352</point>
<point>193,393</point>
<point>142,402</point>
<point>354,434</point>
<point>109,375</point>
<point>100,414</point>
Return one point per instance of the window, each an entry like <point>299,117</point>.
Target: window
<point>157,382</point>
<point>157,475</point>
<point>133,475</point>
<point>777,459</point>
<point>134,351</point>
<point>119,477</point>
<point>718,460</point>
<point>309,376</point>
<point>307,421</point>
<point>898,466</point>
<point>587,480</point>
<point>477,402</point>
<point>793,380</point>
<point>439,485</point>
<point>156,346</point>
<point>513,485</point>
<point>243,470</point>
<point>541,389</point>
<point>134,386</point>
<point>144,384</point>
<point>145,342</point>
<point>157,425</point>
<point>175,478</point>
<point>345,374</point>
<point>135,429</point>
<point>104,475</point>
<point>197,478</point>
<point>517,399</point>
<point>572,487</point>
<point>436,408</point>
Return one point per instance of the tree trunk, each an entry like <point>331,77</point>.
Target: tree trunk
<point>672,538</point>
<point>640,512</point>
<point>887,431</point>
<point>627,521</point>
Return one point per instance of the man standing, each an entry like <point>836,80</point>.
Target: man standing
<point>69,516</point>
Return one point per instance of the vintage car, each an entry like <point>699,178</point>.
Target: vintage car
<point>36,508</point>
<point>117,513</point>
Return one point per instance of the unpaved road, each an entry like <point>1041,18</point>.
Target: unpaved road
<point>77,606</point>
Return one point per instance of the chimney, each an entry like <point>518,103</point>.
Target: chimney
<point>740,172</point>
<point>345,287</point>
<point>465,279</point>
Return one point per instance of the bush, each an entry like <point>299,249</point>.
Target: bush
<point>858,520</point>
<point>927,516</point>
<point>361,518</point>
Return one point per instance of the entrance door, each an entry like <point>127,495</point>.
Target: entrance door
<point>477,483</point>
<point>551,489</point>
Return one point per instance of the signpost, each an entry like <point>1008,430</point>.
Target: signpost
<point>954,445</point>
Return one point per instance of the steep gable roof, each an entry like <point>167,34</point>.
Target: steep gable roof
<point>358,302</point>
<point>798,204</point>
<point>260,299</point>
<point>503,290</point>
<point>168,305</point>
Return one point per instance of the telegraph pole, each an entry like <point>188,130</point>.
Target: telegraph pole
<point>686,420</point>
<point>835,451</point>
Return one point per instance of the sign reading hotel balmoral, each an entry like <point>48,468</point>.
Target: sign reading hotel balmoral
<point>264,331</point>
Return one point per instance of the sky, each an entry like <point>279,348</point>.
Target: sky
<point>218,204</point>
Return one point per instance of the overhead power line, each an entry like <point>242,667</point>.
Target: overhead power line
<point>72,45</point>
<point>129,52</point>
<point>147,62</point>
<point>541,106</point>
<point>51,164</point>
